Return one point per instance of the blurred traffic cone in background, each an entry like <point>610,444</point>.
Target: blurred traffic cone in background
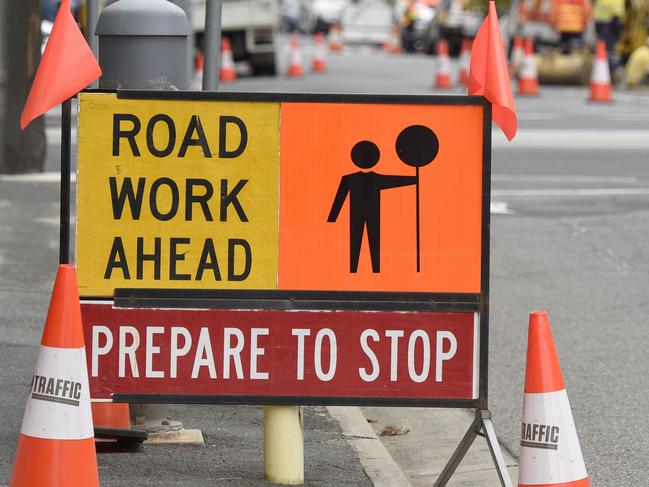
<point>443,75</point>
<point>111,415</point>
<point>199,61</point>
<point>550,453</point>
<point>393,44</point>
<point>465,61</point>
<point>517,56</point>
<point>528,78</point>
<point>319,64</point>
<point>600,79</point>
<point>227,72</point>
<point>295,68</point>
<point>57,445</point>
<point>335,43</point>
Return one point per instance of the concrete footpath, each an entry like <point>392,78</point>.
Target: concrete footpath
<point>421,440</point>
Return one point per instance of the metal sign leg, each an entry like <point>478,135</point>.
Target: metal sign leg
<point>482,426</point>
<point>494,447</point>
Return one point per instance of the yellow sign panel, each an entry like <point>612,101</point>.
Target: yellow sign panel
<point>176,194</point>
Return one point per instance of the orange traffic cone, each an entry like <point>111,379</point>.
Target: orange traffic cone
<point>111,415</point>
<point>199,61</point>
<point>443,76</point>
<point>465,61</point>
<point>600,78</point>
<point>56,445</point>
<point>528,79</point>
<point>393,44</point>
<point>227,73</point>
<point>550,453</point>
<point>319,64</point>
<point>295,59</point>
<point>335,43</point>
<point>518,54</point>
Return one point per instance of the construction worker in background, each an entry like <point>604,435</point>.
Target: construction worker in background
<point>608,16</point>
<point>634,28</point>
<point>570,19</point>
<point>408,20</point>
<point>637,68</point>
<point>535,11</point>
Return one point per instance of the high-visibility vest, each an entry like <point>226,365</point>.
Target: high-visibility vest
<point>570,16</point>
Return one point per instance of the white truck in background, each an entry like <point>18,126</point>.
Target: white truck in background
<point>252,28</point>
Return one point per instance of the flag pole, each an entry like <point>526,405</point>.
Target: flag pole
<point>417,214</point>
<point>64,230</point>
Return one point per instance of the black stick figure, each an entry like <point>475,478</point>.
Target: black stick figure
<point>364,189</point>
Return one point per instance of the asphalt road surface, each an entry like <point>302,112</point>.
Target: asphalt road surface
<point>570,226</point>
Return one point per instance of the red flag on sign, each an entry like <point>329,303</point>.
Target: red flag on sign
<point>489,76</point>
<point>67,67</point>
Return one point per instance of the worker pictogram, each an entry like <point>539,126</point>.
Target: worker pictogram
<point>364,192</point>
<point>416,146</point>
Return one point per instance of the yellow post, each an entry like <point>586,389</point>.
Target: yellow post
<point>283,445</point>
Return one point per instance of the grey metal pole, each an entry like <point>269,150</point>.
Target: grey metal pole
<point>3,77</point>
<point>186,5</point>
<point>92,14</point>
<point>212,45</point>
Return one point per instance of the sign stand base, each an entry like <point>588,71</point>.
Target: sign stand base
<point>481,426</point>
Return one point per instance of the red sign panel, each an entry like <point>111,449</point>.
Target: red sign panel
<point>274,353</point>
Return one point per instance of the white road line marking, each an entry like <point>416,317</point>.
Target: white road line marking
<point>559,178</point>
<point>629,98</point>
<point>500,208</point>
<point>53,134</point>
<point>38,177</point>
<point>627,117</point>
<point>552,139</point>
<point>539,116</point>
<point>55,221</point>
<point>571,192</point>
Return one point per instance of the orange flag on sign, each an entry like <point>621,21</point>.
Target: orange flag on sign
<point>489,76</point>
<point>67,67</point>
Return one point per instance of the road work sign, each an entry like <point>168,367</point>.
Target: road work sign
<point>180,194</point>
<point>284,248</point>
<point>280,195</point>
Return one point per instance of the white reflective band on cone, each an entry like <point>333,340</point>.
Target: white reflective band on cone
<point>58,405</point>
<point>528,69</point>
<point>466,60</point>
<point>600,72</point>
<point>539,465</point>
<point>517,57</point>
<point>444,66</point>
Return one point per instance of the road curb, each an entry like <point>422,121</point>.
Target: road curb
<point>379,466</point>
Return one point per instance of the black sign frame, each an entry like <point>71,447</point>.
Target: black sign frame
<point>475,302</point>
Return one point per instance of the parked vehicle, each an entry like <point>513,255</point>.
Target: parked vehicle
<point>320,15</point>
<point>366,22</point>
<point>251,26</point>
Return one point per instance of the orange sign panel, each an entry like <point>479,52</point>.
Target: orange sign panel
<point>380,197</point>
